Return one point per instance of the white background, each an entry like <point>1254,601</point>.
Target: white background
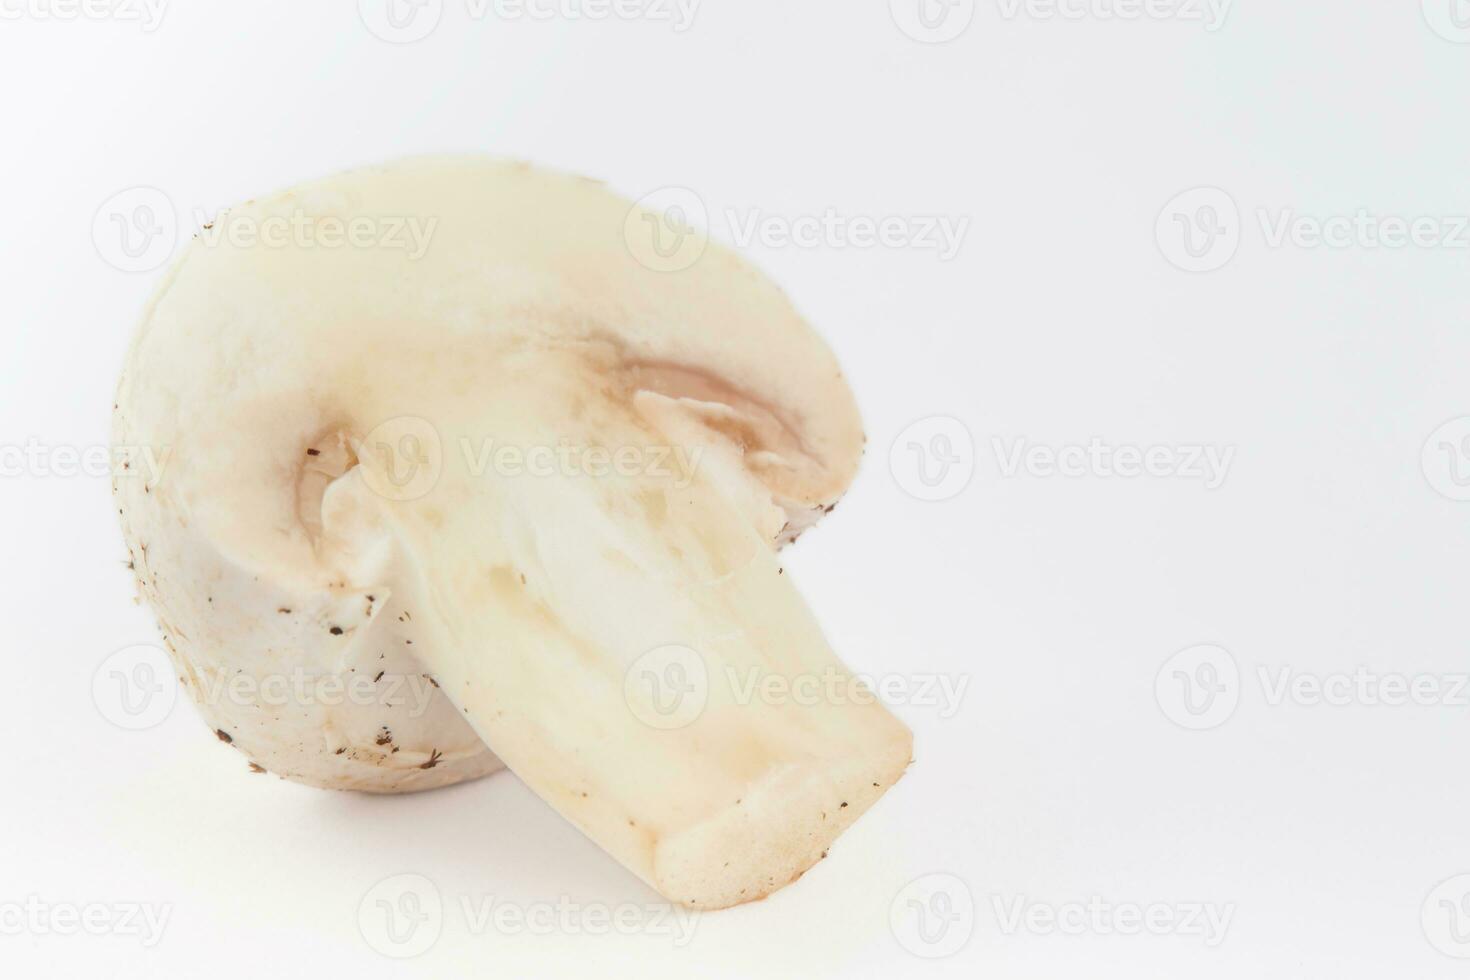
<point>1067,774</point>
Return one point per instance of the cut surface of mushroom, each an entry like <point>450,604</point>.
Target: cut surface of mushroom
<point>539,473</point>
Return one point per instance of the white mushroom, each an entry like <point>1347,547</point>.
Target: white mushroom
<point>528,466</point>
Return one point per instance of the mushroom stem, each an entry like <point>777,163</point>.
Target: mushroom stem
<point>628,644</point>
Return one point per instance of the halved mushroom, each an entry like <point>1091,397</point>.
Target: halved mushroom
<point>529,467</point>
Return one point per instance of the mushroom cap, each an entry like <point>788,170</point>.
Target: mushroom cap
<point>312,326</point>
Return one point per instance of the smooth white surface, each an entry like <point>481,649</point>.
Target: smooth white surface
<point>1333,543</point>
